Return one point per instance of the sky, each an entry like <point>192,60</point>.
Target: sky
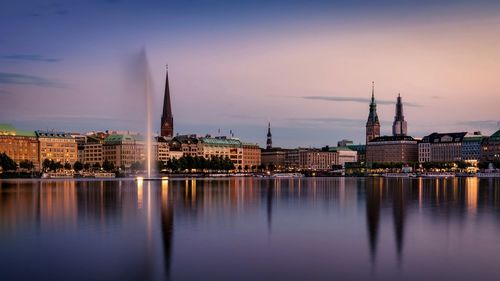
<point>305,66</point>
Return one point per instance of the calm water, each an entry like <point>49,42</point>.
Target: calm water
<point>251,229</point>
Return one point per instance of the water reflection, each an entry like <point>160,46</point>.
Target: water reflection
<point>124,230</point>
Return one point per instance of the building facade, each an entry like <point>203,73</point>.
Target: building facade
<point>392,149</point>
<point>57,146</point>
<point>317,159</point>
<point>19,145</point>
<point>251,156</point>
<point>441,147</point>
<point>123,150</point>
<point>344,155</point>
<point>273,158</point>
<point>471,146</point>
<point>490,148</point>
<point>223,147</point>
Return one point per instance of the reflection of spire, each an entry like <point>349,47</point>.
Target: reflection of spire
<point>398,213</point>
<point>270,195</point>
<point>167,229</point>
<point>373,217</point>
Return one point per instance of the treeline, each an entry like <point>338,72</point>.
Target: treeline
<point>214,163</point>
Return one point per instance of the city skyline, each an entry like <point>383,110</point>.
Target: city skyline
<point>306,69</point>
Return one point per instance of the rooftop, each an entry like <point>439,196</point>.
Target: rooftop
<point>9,130</point>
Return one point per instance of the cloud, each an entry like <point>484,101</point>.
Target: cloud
<point>22,79</point>
<point>28,57</point>
<point>482,124</point>
<point>354,99</point>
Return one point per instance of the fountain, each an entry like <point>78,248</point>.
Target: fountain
<point>149,120</point>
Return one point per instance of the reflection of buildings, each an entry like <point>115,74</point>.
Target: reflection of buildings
<point>373,198</point>
<point>167,227</point>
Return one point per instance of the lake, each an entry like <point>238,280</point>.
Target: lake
<point>250,229</point>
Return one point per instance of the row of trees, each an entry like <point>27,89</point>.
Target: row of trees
<point>51,165</point>
<point>215,163</point>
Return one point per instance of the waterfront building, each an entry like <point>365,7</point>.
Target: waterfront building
<point>223,147</point>
<point>490,148</point>
<point>161,148</point>
<point>124,149</point>
<point>273,157</point>
<point>471,146</point>
<point>392,149</point>
<point>57,146</point>
<point>399,127</point>
<point>269,140</point>
<point>344,155</point>
<point>441,147</point>
<point>190,145</point>
<point>19,145</point>
<point>93,150</point>
<point>317,159</point>
<point>360,150</point>
<point>372,124</point>
<point>251,156</point>
<point>292,158</point>
<point>167,118</point>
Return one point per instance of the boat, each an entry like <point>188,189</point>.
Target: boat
<point>287,175</point>
<point>104,175</point>
<point>437,175</point>
<point>396,175</point>
<point>57,176</point>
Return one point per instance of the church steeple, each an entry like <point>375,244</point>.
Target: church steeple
<point>269,143</point>
<point>167,119</point>
<point>372,124</point>
<point>399,127</point>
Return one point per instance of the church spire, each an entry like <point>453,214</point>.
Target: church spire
<point>269,142</point>
<point>372,124</point>
<point>399,127</point>
<point>167,119</point>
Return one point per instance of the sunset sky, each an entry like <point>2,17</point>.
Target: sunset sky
<point>306,66</point>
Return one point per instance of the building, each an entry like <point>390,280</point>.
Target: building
<point>471,146</point>
<point>399,127</point>
<point>344,142</point>
<point>441,147</point>
<point>372,124</point>
<point>124,149</point>
<point>251,156</point>
<point>273,158</point>
<point>167,118</point>
<point>19,145</point>
<point>223,147</point>
<point>344,155</point>
<point>162,148</point>
<point>490,148</point>
<point>57,146</point>
<point>392,149</point>
<point>360,150</point>
<point>190,145</point>
<point>317,159</point>
<point>93,150</point>
<point>269,141</point>
<point>292,158</point>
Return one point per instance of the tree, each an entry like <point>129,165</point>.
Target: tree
<point>96,166</point>
<point>26,164</point>
<point>136,166</point>
<point>7,163</point>
<point>67,166</point>
<point>78,166</point>
<point>86,166</point>
<point>108,166</point>
<point>46,164</point>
